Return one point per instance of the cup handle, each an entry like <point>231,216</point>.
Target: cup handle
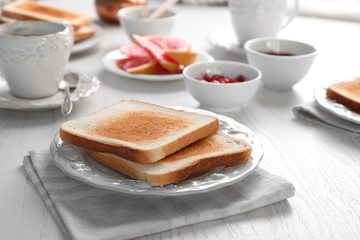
<point>292,13</point>
<point>71,29</point>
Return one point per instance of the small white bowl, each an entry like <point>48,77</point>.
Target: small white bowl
<point>221,97</point>
<point>280,72</point>
<point>133,19</point>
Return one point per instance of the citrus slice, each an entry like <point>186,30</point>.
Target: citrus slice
<point>183,58</point>
<point>170,43</point>
<point>134,50</point>
<point>164,60</point>
<point>137,65</point>
<point>178,49</point>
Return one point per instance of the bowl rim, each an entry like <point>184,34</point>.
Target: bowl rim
<point>135,8</point>
<point>187,76</point>
<point>249,50</point>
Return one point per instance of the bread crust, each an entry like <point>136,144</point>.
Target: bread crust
<point>177,174</point>
<point>29,10</point>
<point>83,33</point>
<point>346,93</point>
<point>139,154</point>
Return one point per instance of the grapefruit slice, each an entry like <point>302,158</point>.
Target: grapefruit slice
<point>178,49</point>
<point>164,60</point>
<point>134,50</point>
<point>137,65</point>
<point>183,58</point>
<point>170,43</point>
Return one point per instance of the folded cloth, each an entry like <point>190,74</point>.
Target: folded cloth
<point>311,111</point>
<point>86,212</point>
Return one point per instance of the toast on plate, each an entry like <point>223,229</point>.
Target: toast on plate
<point>205,154</point>
<point>84,32</point>
<point>138,131</point>
<point>30,10</point>
<point>346,93</point>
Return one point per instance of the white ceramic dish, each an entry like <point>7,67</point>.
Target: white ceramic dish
<point>109,61</point>
<point>334,107</point>
<point>134,20</point>
<point>75,163</point>
<point>280,72</point>
<point>221,97</point>
<point>225,39</point>
<point>87,86</point>
<point>89,43</point>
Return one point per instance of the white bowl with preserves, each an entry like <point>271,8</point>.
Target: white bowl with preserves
<point>134,20</point>
<point>282,62</point>
<point>222,97</point>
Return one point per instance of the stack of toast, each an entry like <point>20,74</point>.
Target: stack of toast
<point>346,93</point>
<point>152,143</point>
<point>29,10</point>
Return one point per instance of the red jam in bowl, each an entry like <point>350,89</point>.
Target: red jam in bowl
<point>222,79</point>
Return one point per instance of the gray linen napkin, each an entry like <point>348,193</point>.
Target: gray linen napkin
<point>85,212</point>
<point>311,111</point>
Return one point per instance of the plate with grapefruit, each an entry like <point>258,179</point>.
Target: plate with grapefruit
<point>153,58</point>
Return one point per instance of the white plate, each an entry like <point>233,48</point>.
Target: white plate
<point>75,163</point>
<point>226,40</point>
<point>89,43</point>
<point>109,61</point>
<point>332,106</point>
<point>87,86</point>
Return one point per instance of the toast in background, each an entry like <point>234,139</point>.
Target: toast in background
<point>84,32</point>
<point>203,155</point>
<point>138,131</point>
<point>346,93</point>
<point>80,34</point>
<point>29,10</point>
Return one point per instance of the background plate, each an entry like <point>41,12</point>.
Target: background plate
<point>75,163</point>
<point>89,43</point>
<point>225,39</point>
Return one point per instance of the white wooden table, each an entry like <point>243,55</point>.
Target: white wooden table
<point>324,166</point>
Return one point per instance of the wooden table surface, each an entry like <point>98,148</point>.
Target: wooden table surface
<point>323,165</point>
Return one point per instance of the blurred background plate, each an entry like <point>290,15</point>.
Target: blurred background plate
<point>89,43</point>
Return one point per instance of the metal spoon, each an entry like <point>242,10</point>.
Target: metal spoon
<point>70,80</point>
<point>159,11</point>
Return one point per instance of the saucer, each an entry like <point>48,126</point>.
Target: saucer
<point>226,39</point>
<point>87,86</point>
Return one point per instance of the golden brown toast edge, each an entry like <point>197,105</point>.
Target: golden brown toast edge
<point>339,92</point>
<point>202,165</point>
<point>29,10</point>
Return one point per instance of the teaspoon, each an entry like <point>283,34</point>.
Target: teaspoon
<point>70,80</point>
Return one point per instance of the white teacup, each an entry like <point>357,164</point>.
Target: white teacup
<point>33,56</point>
<point>259,18</point>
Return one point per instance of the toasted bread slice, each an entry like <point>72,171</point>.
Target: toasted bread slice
<point>83,33</point>
<point>205,154</point>
<point>30,10</point>
<point>138,131</point>
<point>346,93</point>
<point>5,20</point>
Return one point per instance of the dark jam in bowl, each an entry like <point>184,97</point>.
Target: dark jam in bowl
<point>278,53</point>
